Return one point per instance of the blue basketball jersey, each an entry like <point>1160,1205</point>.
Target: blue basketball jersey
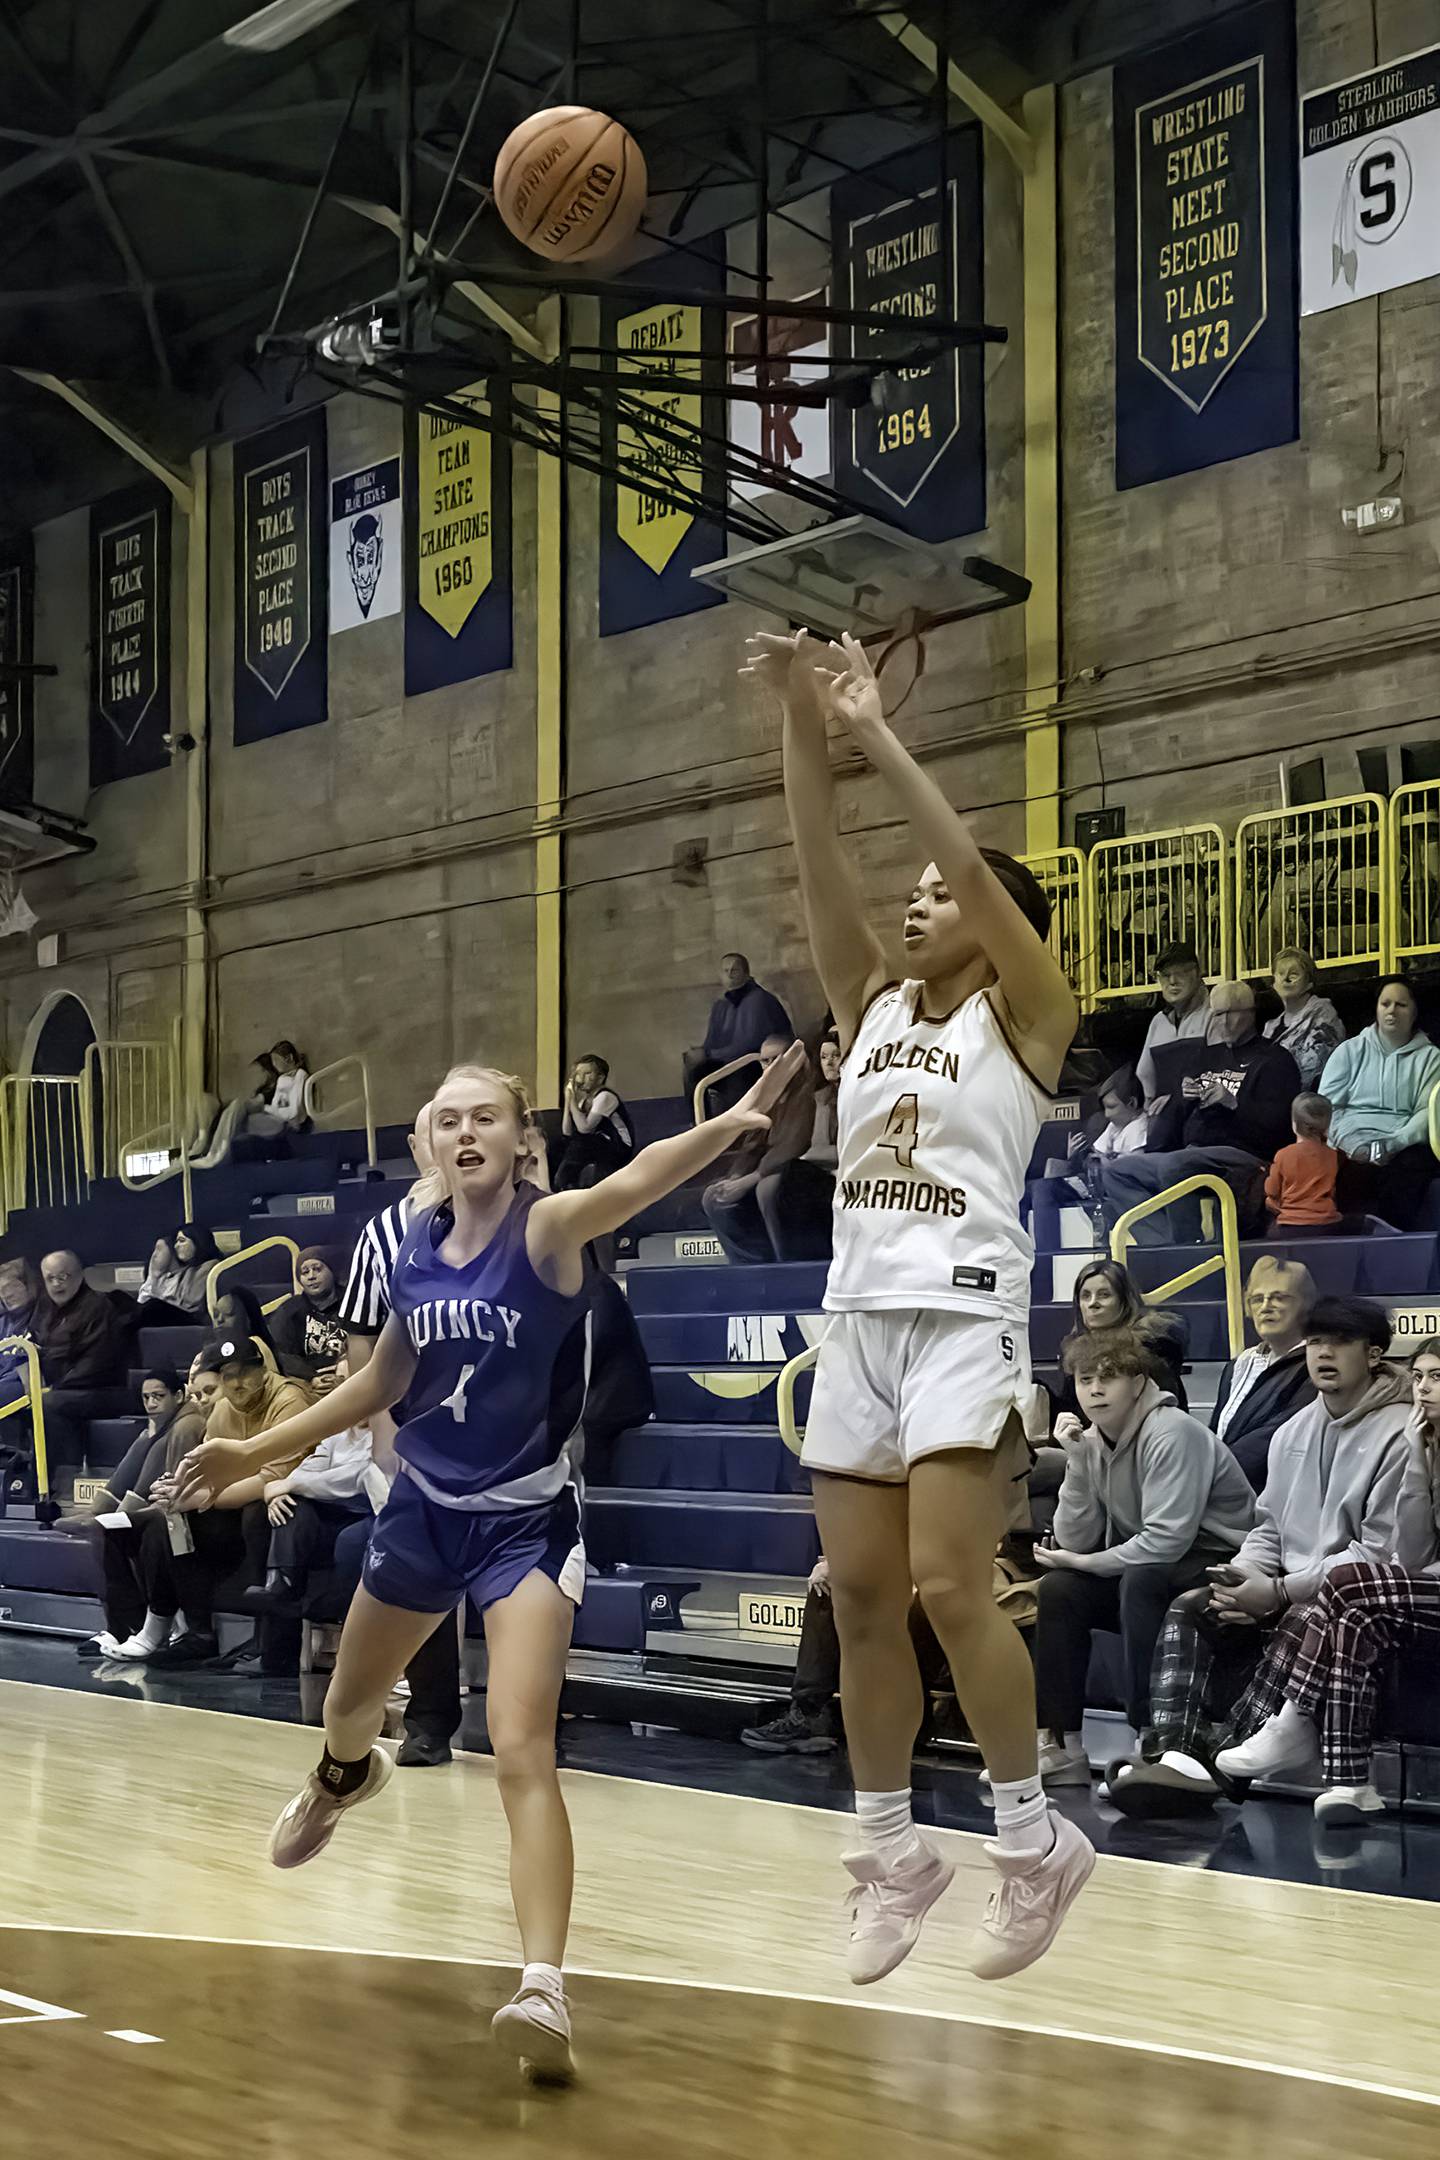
<point>493,1413</point>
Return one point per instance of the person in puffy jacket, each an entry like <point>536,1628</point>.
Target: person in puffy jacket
<point>1378,1085</point>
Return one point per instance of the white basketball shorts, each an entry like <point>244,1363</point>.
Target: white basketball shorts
<point>891,1387</point>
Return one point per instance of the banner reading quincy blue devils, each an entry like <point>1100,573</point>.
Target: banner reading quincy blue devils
<point>1206,331</point>
<point>457,547</point>
<point>282,674</point>
<point>129,634</point>
<point>17,651</point>
<point>917,457</point>
<point>648,548</point>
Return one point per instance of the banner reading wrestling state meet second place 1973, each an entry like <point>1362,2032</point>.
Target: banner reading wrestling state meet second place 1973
<point>1206,336</point>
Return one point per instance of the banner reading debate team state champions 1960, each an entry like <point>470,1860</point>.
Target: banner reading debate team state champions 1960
<point>17,651</point>
<point>281,579</point>
<point>1206,337</point>
<point>457,548</point>
<point>129,634</point>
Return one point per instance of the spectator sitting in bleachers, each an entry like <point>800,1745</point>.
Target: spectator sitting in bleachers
<point>19,1296</point>
<point>307,1331</point>
<point>267,1113</point>
<point>174,1423</point>
<point>1313,1706</point>
<point>1300,1189</point>
<point>1331,1496</point>
<point>177,1279</point>
<point>1107,1296</point>
<point>598,1136</point>
<point>1307,1024</point>
<point>252,1399</point>
<point>741,1018</point>
<point>1270,1381</point>
<point>308,1507</point>
<point>1149,1503</point>
<point>238,1312</point>
<point>1230,1117</point>
<point>82,1342</point>
<point>1378,1085</point>
<point>1184,1011</point>
<point>732,1202</point>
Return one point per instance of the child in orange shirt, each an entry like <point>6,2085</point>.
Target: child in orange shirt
<point>1300,1190</point>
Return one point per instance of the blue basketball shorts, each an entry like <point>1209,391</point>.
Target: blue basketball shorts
<point>426,1558</point>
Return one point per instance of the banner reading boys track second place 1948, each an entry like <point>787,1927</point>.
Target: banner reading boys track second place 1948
<point>281,578</point>
<point>457,547</point>
<point>1206,339</point>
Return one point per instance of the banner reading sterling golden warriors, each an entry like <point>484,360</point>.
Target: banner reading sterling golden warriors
<point>649,546</point>
<point>457,587</point>
<point>1206,338</point>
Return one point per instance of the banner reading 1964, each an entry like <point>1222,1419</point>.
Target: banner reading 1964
<point>17,688</point>
<point>457,583</point>
<point>1206,359</point>
<point>130,634</point>
<point>281,579</point>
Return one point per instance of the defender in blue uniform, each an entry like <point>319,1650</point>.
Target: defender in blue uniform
<point>488,1341</point>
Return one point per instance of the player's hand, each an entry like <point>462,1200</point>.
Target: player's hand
<point>213,1464</point>
<point>752,1112</point>
<point>852,690</point>
<point>820,1577</point>
<point>784,663</point>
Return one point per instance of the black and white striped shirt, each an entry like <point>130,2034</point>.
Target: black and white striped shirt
<point>365,1306</point>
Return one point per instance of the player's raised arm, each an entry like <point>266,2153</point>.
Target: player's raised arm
<point>569,1220</point>
<point>1038,998</point>
<point>848,955</point>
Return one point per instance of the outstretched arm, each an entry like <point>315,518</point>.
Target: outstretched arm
<point>1038,999</point>
<point>848,955</point>
<point>565,1222</point>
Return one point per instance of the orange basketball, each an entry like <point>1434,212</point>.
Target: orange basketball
<point>571,184</point>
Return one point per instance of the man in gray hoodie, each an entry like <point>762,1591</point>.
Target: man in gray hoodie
<point>1331,1495</point>
<point>1150,1502</point>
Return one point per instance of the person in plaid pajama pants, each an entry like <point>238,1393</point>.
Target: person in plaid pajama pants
<point>1318,1693</point>
<point>1332,1497</point>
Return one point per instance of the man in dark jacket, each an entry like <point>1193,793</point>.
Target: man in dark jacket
<point>731,1202</point>
<point>1270,1382</point>
<point>81,1340</point>
<point>740,1019</point>
<point>1230,1116</point>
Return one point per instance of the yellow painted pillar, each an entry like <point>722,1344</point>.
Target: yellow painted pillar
<point>195,973</point>
<point>550,639</point>
<point>1042,475</point>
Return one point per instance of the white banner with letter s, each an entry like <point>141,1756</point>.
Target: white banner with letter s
<point>1370,183</point>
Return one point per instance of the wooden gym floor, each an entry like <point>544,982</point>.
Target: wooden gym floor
<point>165,1993</point>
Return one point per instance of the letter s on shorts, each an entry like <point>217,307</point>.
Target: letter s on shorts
<point>1007,1348</point>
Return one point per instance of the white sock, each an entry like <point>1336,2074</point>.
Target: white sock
<point>546,1977</point>
<point>1075,1743</point>
<point>153,1633</point>
<point>1289,1720</point>
<point>887,1826</point>
<point>1022,1815</point>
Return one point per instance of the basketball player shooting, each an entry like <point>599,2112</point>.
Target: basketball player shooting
<point>488,1341</point>
<point>914,1438</point>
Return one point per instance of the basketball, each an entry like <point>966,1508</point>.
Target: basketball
<point>570,183</point>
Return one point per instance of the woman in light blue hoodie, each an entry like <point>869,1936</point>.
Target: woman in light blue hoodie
<point>1379,1085</point>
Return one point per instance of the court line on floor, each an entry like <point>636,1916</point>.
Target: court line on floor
<point>799,1807</point>
<point>1036,2029</point>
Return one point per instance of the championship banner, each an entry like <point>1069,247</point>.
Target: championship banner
<point>282,674</point>
<point>457,548</point>
<point>917,456</point>
<point>129,634</point>
<point>367,546</point>
<point>1370,183</point>
<point>17,650</point>
<point>1206,331</point>
<point>647,548</point>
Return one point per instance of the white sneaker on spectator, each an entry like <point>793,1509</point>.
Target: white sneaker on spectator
<point>1282,1747</point>
<point>1031,1899</point>
<point>307,1825</point>
<point>535,2027</point>
<point>887,1906</point>
<point>135,1647</point>
<point>1342,1806</point>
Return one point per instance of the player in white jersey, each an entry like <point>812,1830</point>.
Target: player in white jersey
<point>914,1438</point>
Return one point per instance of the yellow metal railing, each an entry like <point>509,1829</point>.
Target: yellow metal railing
<point>703,1087</point>
<point>1146,892</point>
<point>1226,1261</point>
<point>1414,834</point>
<point>32,1400</point>
<point>250,1252</point>
<point>43,1153</point>
<point>792,1434</point>
<point>176,1164</point>
<point>1317,876</point>
<point>130,1087</point>
<point>317,1112</point>
<point>1064,876</point>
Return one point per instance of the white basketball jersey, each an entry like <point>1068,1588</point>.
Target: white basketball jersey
<point>938,1121</point>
